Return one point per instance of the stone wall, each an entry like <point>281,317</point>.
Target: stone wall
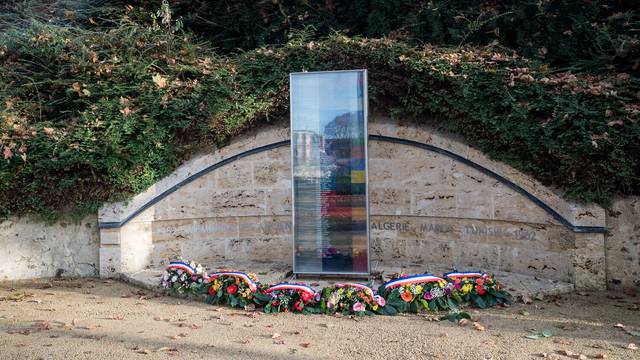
<point>447,208</point>
<point>623,244</point>
<point>33,249</point>
<point>427,209</point>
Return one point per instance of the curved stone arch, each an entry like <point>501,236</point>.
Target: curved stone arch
<point>121,236</point>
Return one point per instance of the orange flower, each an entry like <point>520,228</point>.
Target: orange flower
<point>406,296</point>
<point>479,281</point>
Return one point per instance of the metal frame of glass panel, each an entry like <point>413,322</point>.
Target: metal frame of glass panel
<point>365,109</point>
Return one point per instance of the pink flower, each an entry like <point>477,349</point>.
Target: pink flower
<point>427,296</point>
<point>381,301</point>
<point>358,307</point>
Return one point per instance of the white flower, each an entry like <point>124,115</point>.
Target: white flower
<point>436,292</point>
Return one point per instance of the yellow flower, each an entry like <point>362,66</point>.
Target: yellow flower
<point>340,291</point>
<point>466,288</point>
<point>442,283</point>
<point>374,307</point>
<point>419,289</point>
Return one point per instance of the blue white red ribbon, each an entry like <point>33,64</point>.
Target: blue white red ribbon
<point>181,265</point>
<point>414,279</point>
<point>289,286</point>
<point>243,276</point>
<point>466,274</point>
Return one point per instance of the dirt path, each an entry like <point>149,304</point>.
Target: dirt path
<point>98,319</point>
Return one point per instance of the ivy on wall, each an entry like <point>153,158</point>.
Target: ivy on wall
<point>90,114</point>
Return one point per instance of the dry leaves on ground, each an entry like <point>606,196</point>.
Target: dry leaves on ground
<point>277,339</point>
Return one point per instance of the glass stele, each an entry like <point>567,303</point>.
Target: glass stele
<point>329,170</point>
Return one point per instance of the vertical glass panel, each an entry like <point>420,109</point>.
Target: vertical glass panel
<point>329,166</point>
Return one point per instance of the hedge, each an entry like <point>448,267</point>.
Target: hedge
<point>94,115</point>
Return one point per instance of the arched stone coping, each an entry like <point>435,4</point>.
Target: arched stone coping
<point>123,213</point>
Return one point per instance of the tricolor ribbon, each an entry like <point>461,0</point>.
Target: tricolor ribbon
<point>181,265</point>
<point>243,276</point>
<point>466,274</point>
<point>414,279</point>
<point>288,286</point>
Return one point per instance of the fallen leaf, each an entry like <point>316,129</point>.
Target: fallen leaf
<point>143,351</point>
<point>619,326</point>
<point>632,346</point>
<point>566,353</point>
<point>277,339</point>
<point>599,356</point>
<point>526,299</point>
<point>463,322</point>
<point>116,317</point>
<point>523,312</point>
<point>563,341</point>
<point>478,326</point>
<point>160,81</point>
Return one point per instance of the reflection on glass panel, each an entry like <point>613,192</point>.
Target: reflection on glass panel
<point>328,139</point>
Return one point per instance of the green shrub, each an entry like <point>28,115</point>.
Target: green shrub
<point>93,115</point>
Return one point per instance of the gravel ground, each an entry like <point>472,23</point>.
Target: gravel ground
<point>104,319</point>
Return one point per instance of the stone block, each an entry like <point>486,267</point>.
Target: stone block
<point>623,244</point>
<point>474,204</point>
<point>235,175</point>
<point>278,201</point>
<point>589,262</point>
<point>214,228</point>
<point>389,201</point>
<point>440,202</point>
<point>236,203</point>
<point>110,264</point>
<point>260,250</point>
<point>109,236</point>
<point>172,230</point>
<point>512,206</point>
<point>479,256</point>
<point>209,251</point>
<point>164,252</point>
<point>381,171</point>
<point>540,263</point>
<point>271,173</point>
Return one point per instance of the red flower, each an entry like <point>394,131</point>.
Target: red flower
<point>275,303</point>
<point>479,281</point>
<point>232,289</point>
<point>306,297</point>
<point>480,290</point>
<point>298,305</point>
<point>212,290</point>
